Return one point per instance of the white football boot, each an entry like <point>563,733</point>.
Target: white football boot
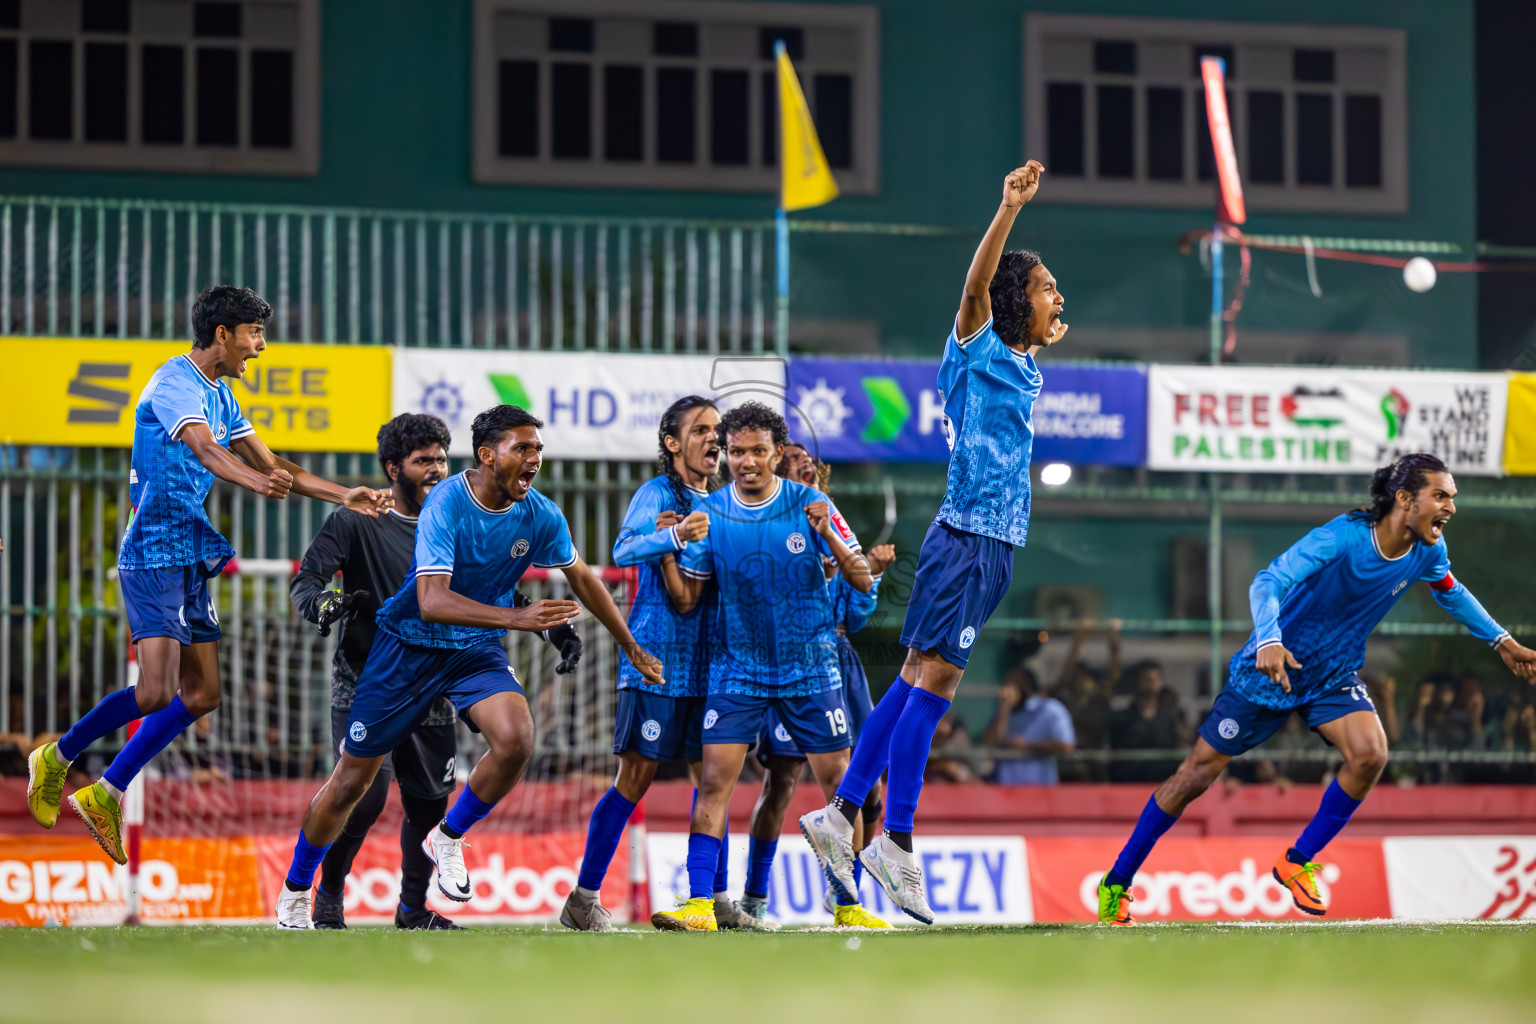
<point>831,838</point>
<point>293,909</point>
<point>898,874</point>
<point>448,854</point>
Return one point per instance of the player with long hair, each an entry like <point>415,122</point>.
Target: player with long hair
<point>1313,609</point>
<point>441,636</point>
<point>187,429</point>
<point>1010,309</point>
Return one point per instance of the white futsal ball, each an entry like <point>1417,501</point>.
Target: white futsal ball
<point>1419,274</point>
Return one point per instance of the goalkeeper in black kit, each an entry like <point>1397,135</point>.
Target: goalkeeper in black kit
<point>373,556</point>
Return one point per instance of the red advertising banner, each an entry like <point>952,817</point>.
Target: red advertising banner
<point>1204,879</point>
<point>518,877</point>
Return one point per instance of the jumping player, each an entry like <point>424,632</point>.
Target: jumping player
<point>782,761</point>
<point>666,724</point>
<point>441,635</point>
<point>778,647</point>
<point>373,557</point>
<point>1312,611</point>
<point>187,429</point>
<point>988,380</point>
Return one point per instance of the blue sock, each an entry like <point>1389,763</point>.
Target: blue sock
<point>1332,815</point>
<point>466,810</point>
<point>154,735</point>
<point>858,873</point>
<point>703,859</point>
<point>873,751</point>
<point>1154,821</point>
<point>723,865</point>
<point>603,834</point>
<point>116,710</point>
<point>306,860</point>
<point>760,854</point>
<point>910,741</point>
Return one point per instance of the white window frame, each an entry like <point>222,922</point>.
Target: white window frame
<point>490,167</point>
<point>1390,197</point>
<point>302,160</point>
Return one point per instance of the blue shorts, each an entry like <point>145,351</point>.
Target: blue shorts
<point>400,681</point>
<point>775,740</point>
<point>658,727</point>
<point>172,602</point>
<point>961,579</point>
<point>816,723</point>
<point>1236,724</point>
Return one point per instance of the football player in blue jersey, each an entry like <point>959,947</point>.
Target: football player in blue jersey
<point>777,645</point>
<point>654,725</point>
<point>1313,609</point>
<point>441,634</point>
<point>187,429</point>
<point>1010,310</point>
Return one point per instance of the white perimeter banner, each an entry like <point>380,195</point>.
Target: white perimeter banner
<point>595,405</point>
<point>970,879</point>
<point>1303,419</point>
<point>1490,878</point>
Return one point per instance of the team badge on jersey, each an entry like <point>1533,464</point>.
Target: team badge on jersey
<point>1228,729</point>
<point>780,733</point>
<point>710,718</point>
<point>358,732</point>
<point>795,542</point>
<point>967,637</point>
<point>520,548</point>
<point>219,434</point>
<point>651,730</point>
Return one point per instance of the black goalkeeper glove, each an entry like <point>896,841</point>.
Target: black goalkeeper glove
<point>334,605</point>
<point>565,638</point>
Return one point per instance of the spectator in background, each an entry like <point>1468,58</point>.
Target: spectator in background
<point>1447,716</point>
<point>1382,689</point>
<point>1517,734</point>
<point>1151,722</point>
<point>1085,695</point>
<point>950,758</point>
<point>1032,723</point>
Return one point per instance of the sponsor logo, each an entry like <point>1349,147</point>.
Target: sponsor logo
<point>1399,588</point>
<point>443,400</point>
<point>795,542</point>
<point>213,613</point>
<point>842,526</point>
<point>780,733</point>
<point>710,718</point>
<point>1227,729</point>
<point>358,732</point>
<point>651,730</point>
<point>1394,409</point>
<point>497,887</point>
<point>1246,892</point>
<point>967,637</point>
<point>115,400</point>
<point>92,881</point>
<point>824,409</point>
<point>520,548</point>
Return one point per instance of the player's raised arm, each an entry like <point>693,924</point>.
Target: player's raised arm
<point>850,563</point>
<point>590,591</point>
<point>441,604</point>
<point>272,483</point>
<point>1458,602</point>
<point>976,301</point>
<point>254,452</point>
<point>1301,560</point>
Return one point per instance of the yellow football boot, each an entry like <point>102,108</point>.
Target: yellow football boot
<point>695,915</point>
<point>103,816</point>
<point>855,916</point>
<point>45,784</point>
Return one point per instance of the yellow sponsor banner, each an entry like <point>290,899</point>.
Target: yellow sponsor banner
<point>1520,427</point>
<point>82,392</point>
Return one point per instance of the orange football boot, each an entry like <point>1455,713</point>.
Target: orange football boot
<point>1301,880</point>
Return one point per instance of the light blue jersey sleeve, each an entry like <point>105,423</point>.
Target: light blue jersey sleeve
<point>235,420</point>
<point>435,532</point>
<point>838,523</point>
<point>555,551</point>
<point>695,560</point>
<point>639,540</point>
<point>1305,558</point>
<point>176,402</point>
<point>973,343</point>
<point>1458,601</point>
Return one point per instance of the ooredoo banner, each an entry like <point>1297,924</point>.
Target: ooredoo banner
<point>1203,879</point>
<point>1315,420</point>
<point>1488,878</point>
<point>595,405</point>
<point>970,879</point>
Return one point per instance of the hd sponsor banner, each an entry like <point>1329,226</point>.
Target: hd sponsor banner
<point>1520,433</point>
<point>595,405</point>
<point>1489,878</point>
<point>517,877</point>
<point>67,880</point>
<point>68,391</point>
<point>856,409</point>
<point>1317,420</point>
<point>1203,879</point>
<point>970,879</point>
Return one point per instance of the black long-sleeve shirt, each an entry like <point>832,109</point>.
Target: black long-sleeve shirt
<point>372,555</point>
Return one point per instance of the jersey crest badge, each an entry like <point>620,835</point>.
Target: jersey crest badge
<point>795,542</point>
<point>520,548</point>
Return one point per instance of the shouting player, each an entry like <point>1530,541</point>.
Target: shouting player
<point>778,647</point>
<point>659,724</point>
<point>988,381</point>
<point>1312,611</point>
<point>781,760</point>
<point>187,429</point>
<point>441,635</point>
<point>373,557</point>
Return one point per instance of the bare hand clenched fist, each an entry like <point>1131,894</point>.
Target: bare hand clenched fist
<point>1020,185</point>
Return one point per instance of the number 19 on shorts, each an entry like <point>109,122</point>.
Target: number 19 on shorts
<point>837,722</point>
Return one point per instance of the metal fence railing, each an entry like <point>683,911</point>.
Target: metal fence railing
<point>119,268</point>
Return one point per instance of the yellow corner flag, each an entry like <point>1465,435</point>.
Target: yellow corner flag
<point>807,180</point>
